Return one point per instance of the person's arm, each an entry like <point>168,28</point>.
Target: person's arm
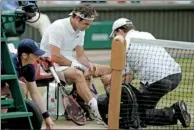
<point>29,75</point>
<point>55,39</point>
<point>37,98</point>
<point>81,57</point>
<point>127,74</point>
<point>58,58</point>
<point>35,95</point>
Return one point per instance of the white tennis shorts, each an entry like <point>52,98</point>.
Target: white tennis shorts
<point>60,69</point>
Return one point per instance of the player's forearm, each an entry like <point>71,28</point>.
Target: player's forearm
<point>84,60</point>
<point>61,60</point>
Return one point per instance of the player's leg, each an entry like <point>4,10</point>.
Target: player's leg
<point>102,70</point>
<point>73,75</point>
<point>106,80</point>
<point>152,94</point>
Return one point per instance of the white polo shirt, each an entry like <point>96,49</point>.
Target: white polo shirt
<point>150,63</point>
<point>62,35</point>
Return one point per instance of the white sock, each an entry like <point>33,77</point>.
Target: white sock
<point>94,105</point>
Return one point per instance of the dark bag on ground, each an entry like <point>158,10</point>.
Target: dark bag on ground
<point>129,116</point>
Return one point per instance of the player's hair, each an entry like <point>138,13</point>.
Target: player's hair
<point>126,28</point>
<point>86,10</point>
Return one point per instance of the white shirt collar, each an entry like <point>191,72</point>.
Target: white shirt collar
<point>70,27</point>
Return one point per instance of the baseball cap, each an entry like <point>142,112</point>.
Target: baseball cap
<point>119,23</point>
<point>29,46</point>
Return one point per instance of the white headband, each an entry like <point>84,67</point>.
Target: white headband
<point>91,17</point>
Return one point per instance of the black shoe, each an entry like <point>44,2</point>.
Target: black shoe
<point>182,114</point>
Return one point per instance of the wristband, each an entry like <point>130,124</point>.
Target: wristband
<point>73,64</point>
<point>45,115</point>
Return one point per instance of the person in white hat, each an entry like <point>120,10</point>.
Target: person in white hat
<point>158,73</point>
<point>59,41</point>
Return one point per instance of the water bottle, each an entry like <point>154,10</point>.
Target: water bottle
<point>52,107</point>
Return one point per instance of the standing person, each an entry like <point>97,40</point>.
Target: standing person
<point>28,54</point>
<point>61,39</point>
<point>158,72</point>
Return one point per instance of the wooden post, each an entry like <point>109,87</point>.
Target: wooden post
<point>117,65</point>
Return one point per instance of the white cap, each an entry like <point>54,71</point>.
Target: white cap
<point>119,23</point>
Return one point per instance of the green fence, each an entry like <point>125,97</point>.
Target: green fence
<point>98,36</point>
<point>170,22</point>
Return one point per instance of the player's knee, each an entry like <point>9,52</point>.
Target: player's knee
<point>106,79</point>
<point>78,75</point>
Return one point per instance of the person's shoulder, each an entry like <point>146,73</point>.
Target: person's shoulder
<point>29,72</point>
<point>147,35</point>
<point>67,19</point>
<point>58,22</point>
<point>30,66</point>
<point>56,27</point>
<point>64,21</point>
<point>29,69</point>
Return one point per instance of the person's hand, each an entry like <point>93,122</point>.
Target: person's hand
<point>93,70</point>
<point>87,74</point>
<point>91,66</point>
<point>49,123</point>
